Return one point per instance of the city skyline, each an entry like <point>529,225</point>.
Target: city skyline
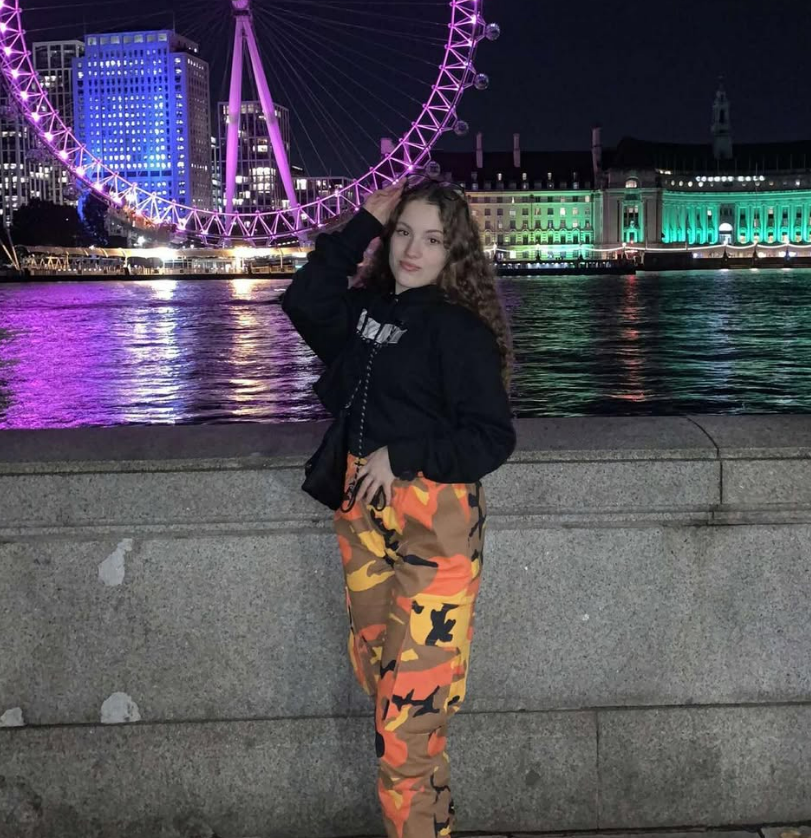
<point>114,94</point>
<point>559,68</point>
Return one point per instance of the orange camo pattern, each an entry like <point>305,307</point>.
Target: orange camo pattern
<point>412,572</point>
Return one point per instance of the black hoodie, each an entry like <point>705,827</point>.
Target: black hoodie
<point>436,397</point>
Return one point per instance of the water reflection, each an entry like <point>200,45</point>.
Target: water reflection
<point>631,352</point>
<point>166,351</point>
<point>56,358</point>
<point>150,352</point>
<point>703,342</point>
<point>150,386</point>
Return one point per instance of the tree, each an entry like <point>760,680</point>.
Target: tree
<point>93,214</point>
<point>48,224</point>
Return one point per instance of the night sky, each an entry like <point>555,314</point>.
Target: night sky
<point>644,69</point>
<point>639,68</point>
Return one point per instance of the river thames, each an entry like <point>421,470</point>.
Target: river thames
<point>167,351</point>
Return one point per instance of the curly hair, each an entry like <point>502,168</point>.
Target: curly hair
<point>468,277</point>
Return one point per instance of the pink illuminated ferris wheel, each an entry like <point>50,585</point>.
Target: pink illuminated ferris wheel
<point>432,113</point>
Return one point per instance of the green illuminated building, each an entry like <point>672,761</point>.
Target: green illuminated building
<point>639,195</point>
<point>530,206</point>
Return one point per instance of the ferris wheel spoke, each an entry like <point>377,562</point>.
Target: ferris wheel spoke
<point>358,7</point>
<point>313,145</point>
<point>364,99</point>
<point>307,98</point>
<point>390,49</point>
<point>302,35</point>
<point>306,34</point>
<point>365,14</point>
<point>344,24</point>
<point>296,62</point>
<point>303,124</point>
<point>59,27</point>
<point>196,24</point>
<point>62,7</point>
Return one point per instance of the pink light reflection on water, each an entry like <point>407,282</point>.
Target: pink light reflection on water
<point>149,352</point>
<point>56,364</point>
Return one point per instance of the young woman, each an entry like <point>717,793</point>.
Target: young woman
<point>423,344</point>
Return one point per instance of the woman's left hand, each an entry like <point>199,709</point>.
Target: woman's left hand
<point>376,474</point>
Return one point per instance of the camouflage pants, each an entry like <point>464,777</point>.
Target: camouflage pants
<point>412,573</point>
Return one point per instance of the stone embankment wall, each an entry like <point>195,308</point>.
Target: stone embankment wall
<point>173,634</point>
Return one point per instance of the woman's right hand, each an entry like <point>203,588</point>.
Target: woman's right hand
<point>381,204</point>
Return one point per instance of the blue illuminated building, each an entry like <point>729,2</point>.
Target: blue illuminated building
<point>141,103</point>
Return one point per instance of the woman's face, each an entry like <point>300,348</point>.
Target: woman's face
<point>417,251</point>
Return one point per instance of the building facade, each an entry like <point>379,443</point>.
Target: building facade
<point>16,144</point>
<point>311,188</point>
<point>762,195</point>
<point>53,61</point>
<point>638,196</point>
<point>531,206</point>
<point>141,103</point>
<point>666,196</point>
<point>661,196</point>
<point>27,169</point>
<point>217,192</point>
<point>259,186</point>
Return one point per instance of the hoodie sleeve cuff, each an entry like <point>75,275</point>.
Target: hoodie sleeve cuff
<point>361,230</point>
<point>406,457</point>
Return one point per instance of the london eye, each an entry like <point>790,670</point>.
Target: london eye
<point>370,87</point>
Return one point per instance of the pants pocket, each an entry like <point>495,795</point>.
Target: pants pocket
<point>429,679</point>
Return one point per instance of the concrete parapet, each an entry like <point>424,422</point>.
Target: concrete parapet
<point>171,610</point>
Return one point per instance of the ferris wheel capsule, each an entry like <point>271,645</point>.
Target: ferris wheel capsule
<point>482,81</point>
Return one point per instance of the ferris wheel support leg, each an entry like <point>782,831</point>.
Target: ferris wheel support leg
<point>276,140</point>
<point>234,110</point>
